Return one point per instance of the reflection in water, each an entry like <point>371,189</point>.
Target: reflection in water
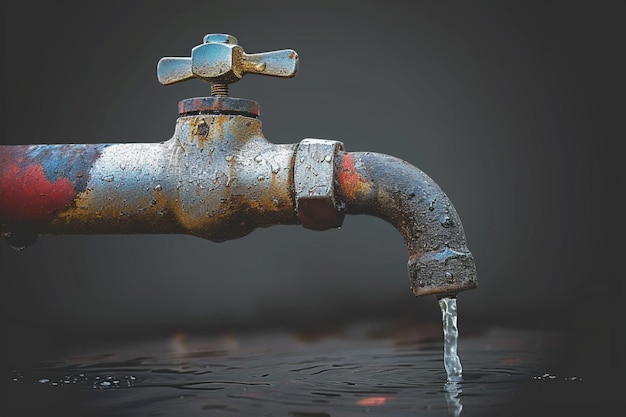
<point>452,390</point>
<point>375,370</point>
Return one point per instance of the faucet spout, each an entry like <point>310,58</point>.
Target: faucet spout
<point>380,185</point>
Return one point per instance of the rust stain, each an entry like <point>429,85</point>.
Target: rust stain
<point>101,210</point>
<point>200,131</point>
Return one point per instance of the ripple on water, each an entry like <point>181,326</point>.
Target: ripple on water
<point>277,373</point>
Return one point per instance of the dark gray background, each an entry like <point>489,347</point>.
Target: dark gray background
<point>513,108</point>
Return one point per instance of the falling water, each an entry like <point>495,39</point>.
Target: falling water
<point>451,359</point>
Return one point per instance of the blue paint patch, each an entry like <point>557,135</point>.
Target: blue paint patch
<point>70,161</point>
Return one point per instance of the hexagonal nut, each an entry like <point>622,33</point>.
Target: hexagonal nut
<point>217,62</point>
<point>314,175</point>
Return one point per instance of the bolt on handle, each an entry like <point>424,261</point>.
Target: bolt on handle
<point>221,61</point>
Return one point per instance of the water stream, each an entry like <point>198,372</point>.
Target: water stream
<point>451,360</point>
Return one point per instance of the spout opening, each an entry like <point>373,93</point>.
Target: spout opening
<point>442,273</point>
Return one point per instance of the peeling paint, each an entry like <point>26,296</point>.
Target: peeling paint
<point>27,195</point>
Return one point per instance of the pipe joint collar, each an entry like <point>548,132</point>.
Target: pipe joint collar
<point>314,187</point>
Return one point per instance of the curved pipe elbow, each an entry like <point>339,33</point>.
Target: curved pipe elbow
<point>380,185</point>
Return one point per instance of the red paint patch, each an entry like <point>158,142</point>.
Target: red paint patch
<point>27,195</point>
<point>348,178</point>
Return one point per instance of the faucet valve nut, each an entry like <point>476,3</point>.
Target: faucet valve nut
<point>313,174</point>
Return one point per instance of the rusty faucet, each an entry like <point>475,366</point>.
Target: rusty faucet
<point>219,178</point>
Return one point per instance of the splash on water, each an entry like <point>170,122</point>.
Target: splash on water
<point>451,359</point>
<point>453,400</point>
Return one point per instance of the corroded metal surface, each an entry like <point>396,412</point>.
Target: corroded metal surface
<point>217,178</point>
<point>401,194</point>
<point>218,105</point>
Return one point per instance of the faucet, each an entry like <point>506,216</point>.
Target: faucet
<point>219,178</point>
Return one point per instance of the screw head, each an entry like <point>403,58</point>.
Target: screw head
<point>220,38</point>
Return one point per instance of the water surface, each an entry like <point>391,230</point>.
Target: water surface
<point>365,369</point>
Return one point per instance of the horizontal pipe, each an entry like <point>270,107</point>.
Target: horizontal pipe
<point>205,181</point>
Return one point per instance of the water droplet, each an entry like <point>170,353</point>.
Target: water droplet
<point>108,178</point>
<point>327,158</point>
<point>260,178</point>
<point>259,159</point>
<point>18,248</point>
<point>44,380</point>
<point>446,221</point>
<point>449,277</point>
<point>157,187</point>
<point>228,158</point>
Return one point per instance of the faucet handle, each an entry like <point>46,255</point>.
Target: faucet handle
<point>221,61</point>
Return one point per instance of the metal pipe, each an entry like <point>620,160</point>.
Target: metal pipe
<point>217,178</point>
<point>401,194</point>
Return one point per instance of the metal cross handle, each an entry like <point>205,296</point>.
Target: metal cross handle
<point>221,61</point>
